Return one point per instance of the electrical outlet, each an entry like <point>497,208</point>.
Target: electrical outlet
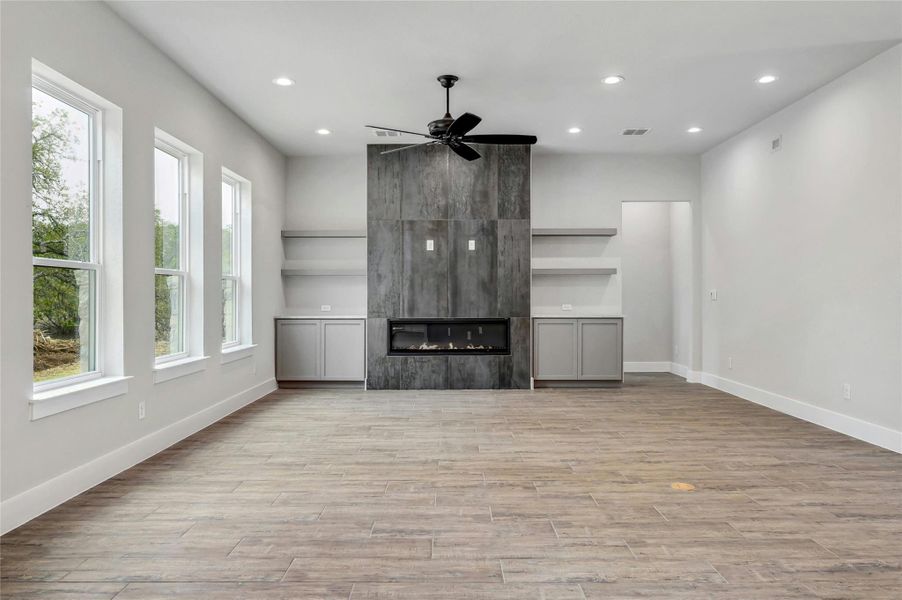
<point>676,350</point>
<point>713,295</point>
<point>566,307</point>
<point>471,245</point>
<point>142,409</point>
<point>325,308</point>
<point>730,362</point>
<point>846,391</point>
<point>430,245</point>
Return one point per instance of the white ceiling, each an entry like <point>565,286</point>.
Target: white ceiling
<point>532,68</point>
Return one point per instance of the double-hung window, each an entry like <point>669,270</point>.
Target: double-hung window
<point>66,133</point>
<point>231,261</point>
<point>171,284</point>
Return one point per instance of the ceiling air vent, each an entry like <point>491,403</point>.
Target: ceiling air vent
<point>640,131</point>
<point>386,133</point>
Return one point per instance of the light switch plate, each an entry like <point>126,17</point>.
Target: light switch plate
<point>430,245</point>
<point>471,245</point>
<point>713,295</point>
<point>326,308</point>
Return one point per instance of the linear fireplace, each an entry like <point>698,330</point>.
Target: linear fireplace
<point>448,336</point>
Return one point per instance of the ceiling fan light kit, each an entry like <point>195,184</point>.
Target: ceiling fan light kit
<point>453,132</point>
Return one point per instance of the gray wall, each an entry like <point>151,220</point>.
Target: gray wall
<point>431,193</point>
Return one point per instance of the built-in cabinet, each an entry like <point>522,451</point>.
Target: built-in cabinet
<point>578,349</point>
<point>320,349</point>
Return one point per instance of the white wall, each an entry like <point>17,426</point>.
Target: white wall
<point>326,192</point>
<point>589,191</point>
<point>647,287</point>
<point>71,450</point>
<point>683,285</point>
<point>803,246</point>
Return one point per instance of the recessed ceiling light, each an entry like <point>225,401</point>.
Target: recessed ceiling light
<point>613,79</point>
<point>323,131</point>
<point>694,130</point>
<point>574,130</point>
<point>283,81</point>
<point>767,79</point>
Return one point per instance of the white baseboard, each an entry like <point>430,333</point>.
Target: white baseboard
<point>851,426</point>
<point>647,367</point>
<point>29,504</point>
<point>684,372</point>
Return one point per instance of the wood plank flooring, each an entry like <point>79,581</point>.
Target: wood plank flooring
<point>553,494</point>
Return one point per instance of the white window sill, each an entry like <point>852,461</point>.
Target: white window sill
<point>179,368</point>
<point>44,404</point>
<point>233,353</point>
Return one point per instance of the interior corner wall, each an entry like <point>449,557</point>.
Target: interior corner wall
<point>803,248</point>
<point>588,190</point>
<point>46,461</point>
<point>647,284</point>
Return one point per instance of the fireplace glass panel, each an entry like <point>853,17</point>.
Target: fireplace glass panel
<point>449,336</point>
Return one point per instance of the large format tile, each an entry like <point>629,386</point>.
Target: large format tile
<point>384,250</point>
<point>424,183</point>
<point>474,185</point>
<point>383,372</point>
<point>473,274</point>
<point>383,183</point>
<point>474,372</point>
<point>424,285</point>
<point>514,164</point>
<point>513,258</point>
<point>424,372</point>
<point>481,494</point>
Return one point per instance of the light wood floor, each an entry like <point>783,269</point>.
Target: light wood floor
<point>552,494</point>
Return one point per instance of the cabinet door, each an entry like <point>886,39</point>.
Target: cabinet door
<point>555,349</point>
<point>600,349</point>
<point>298,350</point>
<point>344,350</point>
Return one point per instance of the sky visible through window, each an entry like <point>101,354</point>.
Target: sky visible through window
<point>166,186</point>
<point>74,164</point>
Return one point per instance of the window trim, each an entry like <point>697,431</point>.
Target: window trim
<point>235,274</point>
<point>95,229</point>
<point>184,245</point>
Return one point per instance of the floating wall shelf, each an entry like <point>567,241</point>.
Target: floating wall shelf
<point>596,232</point>
<point>325,272</point>
<point>324,233</point>
<point>576,271</point>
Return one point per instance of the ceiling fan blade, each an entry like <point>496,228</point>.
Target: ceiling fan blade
<point>399,130</point>
<point>464,151</point>
<point>500,139</point>
<point>399,148</point>
<point>463,124</point>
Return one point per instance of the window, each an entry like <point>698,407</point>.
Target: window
<point>231,261</point>
<point>65,232</point>
<point>170,252</point>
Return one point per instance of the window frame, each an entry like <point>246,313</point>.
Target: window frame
<point>183,272</point>
<point>236,272</point>
<point>95,229</point>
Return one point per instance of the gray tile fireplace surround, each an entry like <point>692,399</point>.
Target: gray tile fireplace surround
<point>429,193</point>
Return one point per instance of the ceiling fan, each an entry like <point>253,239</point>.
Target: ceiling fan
<point>453,132</point>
